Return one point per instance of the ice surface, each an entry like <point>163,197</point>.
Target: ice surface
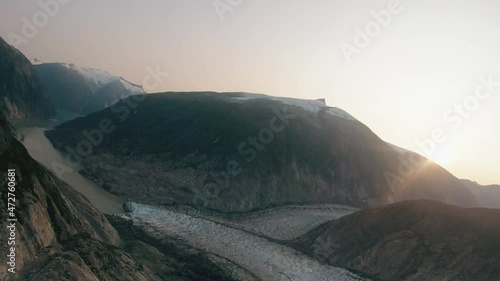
<point>283,223</point>
<point>264,259</point>
<point>131,87</point>
<point>308,105</point>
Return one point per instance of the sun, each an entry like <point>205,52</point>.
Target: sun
<point>441,156</point>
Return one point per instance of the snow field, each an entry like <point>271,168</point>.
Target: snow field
<point>308,105</point>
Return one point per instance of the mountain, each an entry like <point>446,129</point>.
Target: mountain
<point>487,195</point>
<point>236,152</point>
<point>411,240</point>
<point>21,95</point>
<point>59,235</point>
<point>83,90</point>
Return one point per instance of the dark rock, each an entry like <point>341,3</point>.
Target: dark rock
<point>411,240</point>
<point>21,94</point>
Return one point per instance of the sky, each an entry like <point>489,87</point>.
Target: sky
<point>421,74</point>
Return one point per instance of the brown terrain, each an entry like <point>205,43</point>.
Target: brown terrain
<point>412,240</point>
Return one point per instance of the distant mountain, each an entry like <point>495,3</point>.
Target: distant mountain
<point>21,95</point>
<point>239,152</point>
<point>487,195</point>
<point>83,90</point>
<point>411,241</point>
<point>61,236</point>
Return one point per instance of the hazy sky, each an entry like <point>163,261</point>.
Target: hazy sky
<point>429,57</point>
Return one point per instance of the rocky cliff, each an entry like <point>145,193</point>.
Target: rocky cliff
<point>21,95</point>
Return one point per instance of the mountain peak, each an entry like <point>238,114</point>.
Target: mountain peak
<point>73,88</point>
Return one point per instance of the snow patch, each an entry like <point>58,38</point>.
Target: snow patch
<point>35,61</point>
<point>136,90</point>
<point>340,113</point>
<point>102,78</point>
<point>308,105</point>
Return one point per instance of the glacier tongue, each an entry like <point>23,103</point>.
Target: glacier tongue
<point>265,259</point>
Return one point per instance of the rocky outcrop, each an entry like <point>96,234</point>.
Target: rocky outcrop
<point>21,95</point>
<point>237,152</point>
<point>48,211</point>
<point>411,240</point>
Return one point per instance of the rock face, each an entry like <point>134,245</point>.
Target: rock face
<point>239,152</point>
<point>60,236</point>
<point>412,240</point>
<point>21,95</point>
<point>48,211</point>
<point>487,195</point>
<point>83,90</point>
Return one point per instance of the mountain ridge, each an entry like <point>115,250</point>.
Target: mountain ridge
<point>220,151</point>
<point>488,195</point>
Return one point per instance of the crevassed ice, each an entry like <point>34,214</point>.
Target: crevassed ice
<point>265,259</point>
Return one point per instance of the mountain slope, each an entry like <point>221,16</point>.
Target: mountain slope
<point>239,152</point>
<point>411,240</point>
<point>83,90</point>
<point>21,95</point>
<point>487,195</point>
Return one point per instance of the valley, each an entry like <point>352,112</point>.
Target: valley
<point>166,142</point>
<point>236,242</point>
